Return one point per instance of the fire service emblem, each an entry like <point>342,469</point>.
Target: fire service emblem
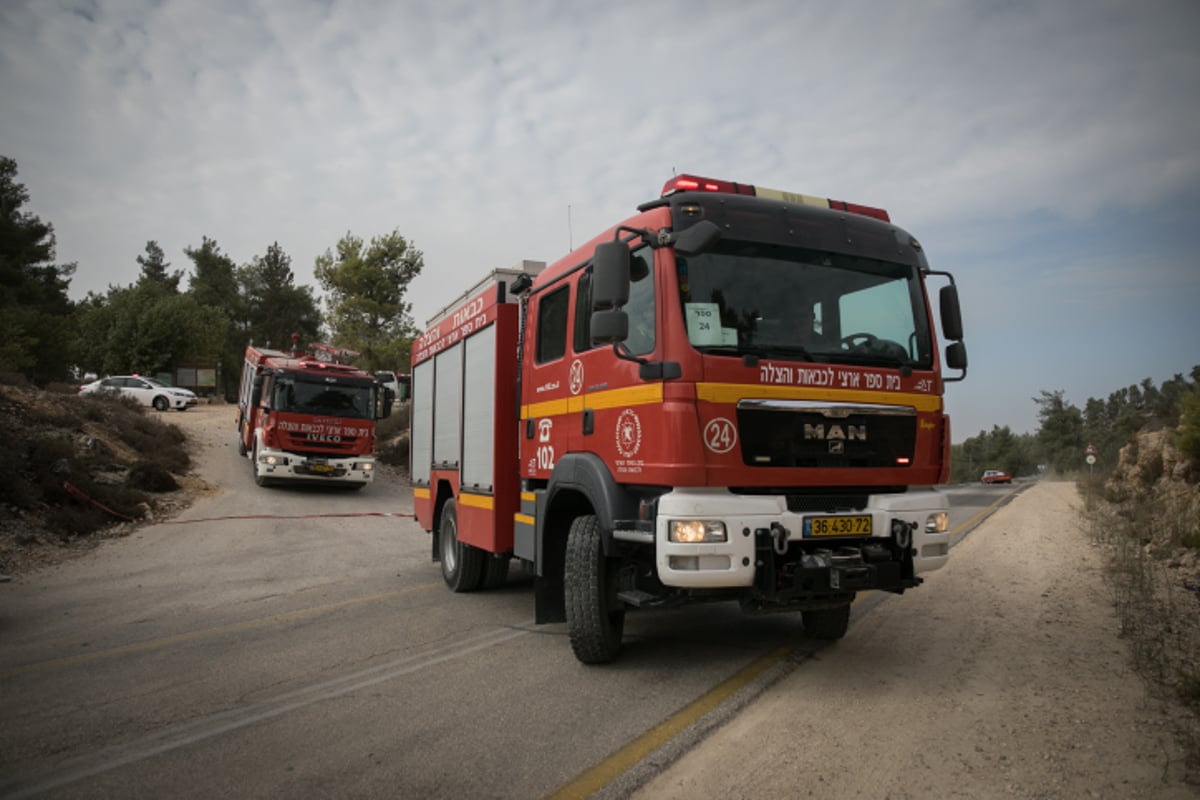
<point>629,433</point>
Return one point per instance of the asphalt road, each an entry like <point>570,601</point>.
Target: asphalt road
<point>299,643</point>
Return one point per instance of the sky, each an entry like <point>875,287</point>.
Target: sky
<point>1047,154</point>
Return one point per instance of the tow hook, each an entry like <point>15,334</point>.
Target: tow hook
<point>779,538</point>
<point>902,533</point>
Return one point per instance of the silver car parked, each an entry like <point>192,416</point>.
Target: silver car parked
<point>146,390</point>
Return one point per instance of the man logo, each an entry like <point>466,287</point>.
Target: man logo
<point>835,433</point>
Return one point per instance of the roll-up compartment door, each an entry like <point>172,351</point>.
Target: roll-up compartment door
<point>421,445</point>
<point>447,405</point>
<point>479,410</point>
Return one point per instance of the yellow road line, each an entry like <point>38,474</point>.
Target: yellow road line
<point>611,768</point>
<point>608,770</point>
<point>961,529</point>
<point>183,638</point>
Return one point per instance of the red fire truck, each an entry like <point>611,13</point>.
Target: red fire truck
<point>305,418</point>
<point>735,394</point>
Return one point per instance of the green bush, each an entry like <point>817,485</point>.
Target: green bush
<point>1187,437</point>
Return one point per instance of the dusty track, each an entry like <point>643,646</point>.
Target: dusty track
<point>1003,677</point>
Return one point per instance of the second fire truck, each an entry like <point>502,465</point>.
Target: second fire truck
<point>735,394</point>
<point>309,418</point>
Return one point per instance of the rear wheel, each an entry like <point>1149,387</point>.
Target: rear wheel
<point>829,624</point>
<point>495,571</point>
<point>595,616</point>
<point>462,564</point>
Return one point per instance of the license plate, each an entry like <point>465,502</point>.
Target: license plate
<point>320,468</point>
<point>852,525</point>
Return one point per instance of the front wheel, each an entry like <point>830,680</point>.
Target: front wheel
<point>160,404</point>
<point>595,615</point>
<point>462,564</point>
<point>829,624</point>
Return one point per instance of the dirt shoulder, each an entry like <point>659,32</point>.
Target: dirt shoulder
<point>86,445</point>
<point>1003,676</point>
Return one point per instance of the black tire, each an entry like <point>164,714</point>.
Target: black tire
<point>829,624</point>
<point>595,616</point>
<point>495,571</point>
<point>462,564</point>
<point>160,403</point>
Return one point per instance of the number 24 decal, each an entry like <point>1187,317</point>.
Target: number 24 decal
<point>720,435</point>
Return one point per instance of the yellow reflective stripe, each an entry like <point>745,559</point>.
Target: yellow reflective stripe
<point>612,398</point>
<point>523,519</point>
<point>477,500</point>
<point>553,408</point>
<point>528,497</point>
<point>420,494</point>
<point>733,392</point>
<point>631,396</point>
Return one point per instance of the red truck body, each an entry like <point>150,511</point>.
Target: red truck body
<point>733,395</point>
<point>308,418</point>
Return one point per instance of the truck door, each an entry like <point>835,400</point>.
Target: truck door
<point>620,409</point>
<point>551,405</point>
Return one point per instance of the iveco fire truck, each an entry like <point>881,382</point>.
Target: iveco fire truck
<point>309,418</point>
<point>735,395</point>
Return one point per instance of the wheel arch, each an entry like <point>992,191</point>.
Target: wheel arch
<point>579,485</point>
<point>582,481</point>
<point>442,492</point>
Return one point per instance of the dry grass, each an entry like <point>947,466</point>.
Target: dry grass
<point>75,465</point>
<point>1153,572</point>
<point>392,436</point>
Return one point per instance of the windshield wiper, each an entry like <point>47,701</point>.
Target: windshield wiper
<point>786,352</point>
<point>875,360</point>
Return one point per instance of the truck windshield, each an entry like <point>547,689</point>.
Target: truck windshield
<point>749,298</point>
<point>330,399</point>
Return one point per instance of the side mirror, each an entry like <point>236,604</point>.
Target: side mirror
<point>256,391</point>
<point>956,356</point>
<point>385,407</point>
<point>698,238</point>
<point>610,276</point>
<point>610,326</point>
<point>952,327</point>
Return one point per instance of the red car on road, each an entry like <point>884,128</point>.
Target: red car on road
<point>996,476</point>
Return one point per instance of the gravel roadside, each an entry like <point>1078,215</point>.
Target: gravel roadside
<point>1003,676</point>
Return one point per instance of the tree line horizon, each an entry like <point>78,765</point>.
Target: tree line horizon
<point>152,325</point>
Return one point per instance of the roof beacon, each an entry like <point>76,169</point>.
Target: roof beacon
<point>694,183</point>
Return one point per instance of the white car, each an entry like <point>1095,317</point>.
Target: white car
<point>389,381</point>
<point>146,390</point>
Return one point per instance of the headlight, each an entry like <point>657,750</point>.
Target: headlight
<point>695,531</point>
<point>937,523</point>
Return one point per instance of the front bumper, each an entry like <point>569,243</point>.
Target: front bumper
<point>735,562</point>
<point>280,465</point>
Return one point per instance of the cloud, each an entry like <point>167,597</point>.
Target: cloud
<point>487,133</point>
